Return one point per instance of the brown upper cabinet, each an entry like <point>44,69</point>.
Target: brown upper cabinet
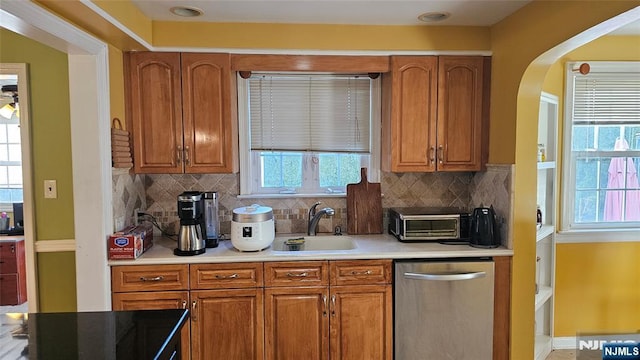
<point>435,113</point>
<point>183,112</point>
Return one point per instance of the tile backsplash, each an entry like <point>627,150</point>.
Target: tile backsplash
<point>156,195</point>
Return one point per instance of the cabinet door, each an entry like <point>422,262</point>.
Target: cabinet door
<point>155,109</point>
<point>361,322</point>
<point>460,113</point>
<point>296,323</point>
<point>227,324</point>
<point>409,115</point>
<point>157,300</point>
<point>210,130</point>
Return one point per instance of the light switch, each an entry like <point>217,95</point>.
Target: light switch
<point>50,189</point>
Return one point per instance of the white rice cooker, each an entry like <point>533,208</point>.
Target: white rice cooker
<point>252,228</point>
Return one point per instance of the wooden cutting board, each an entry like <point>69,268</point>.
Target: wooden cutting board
<point>364,207</point>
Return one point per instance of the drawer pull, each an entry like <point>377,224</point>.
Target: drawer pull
<point>300,275</point>
<point>156,278</point>
<point>366,272</point>
<point>184,304</point>
<point>222,277</point>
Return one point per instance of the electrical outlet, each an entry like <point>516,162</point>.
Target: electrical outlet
<point>50,189</point>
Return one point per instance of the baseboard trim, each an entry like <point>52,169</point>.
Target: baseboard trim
<point>564,343</point>
<point>66,245</point>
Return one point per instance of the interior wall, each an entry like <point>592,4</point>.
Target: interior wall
<point>51,151</point>
<point>603,296</point>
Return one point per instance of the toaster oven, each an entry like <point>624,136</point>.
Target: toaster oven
<point>429,224</point>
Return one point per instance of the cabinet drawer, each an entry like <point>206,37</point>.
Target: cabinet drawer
<point>226,276</point>
<point>296,273</point>
<point>156,300</point>
<point>8,258</point>
<point>149,278</point>
<point>9,289</point>
<point>361,272</point>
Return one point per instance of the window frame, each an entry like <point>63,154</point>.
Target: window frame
<point>570,231</point>
<point>247,175</point>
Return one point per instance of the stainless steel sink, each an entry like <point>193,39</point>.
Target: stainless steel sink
<point>315,243</point>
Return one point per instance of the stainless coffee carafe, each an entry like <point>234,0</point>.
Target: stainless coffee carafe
<point>211,218</point>
<point>192,233</point>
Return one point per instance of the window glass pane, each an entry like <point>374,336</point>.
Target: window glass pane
<point>339,169</point>
<point>15,153</point>
<point>5,195</point>
<point>586,171</point>
<point>281,169</point>
<point>13,131</point>
<point>3,133</point>
<point>4,181</point>
<point>16,195</point>
<point>583,137</point>
<point>632,134</point>
<point>4,152</point>
<point>607,136</point>
<point>15,175</point>
<point>585,206</point>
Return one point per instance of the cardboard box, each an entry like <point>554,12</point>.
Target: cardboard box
<point>130,242</point>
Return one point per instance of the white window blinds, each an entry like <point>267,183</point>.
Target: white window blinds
<point>607,98</point>
<point>310,112</point>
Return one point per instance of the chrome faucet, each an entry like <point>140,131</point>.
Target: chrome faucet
<point>314,217</point>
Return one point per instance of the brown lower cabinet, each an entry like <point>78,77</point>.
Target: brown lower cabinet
<point>284,310</point>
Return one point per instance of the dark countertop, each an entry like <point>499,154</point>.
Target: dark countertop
<point>121,335</point>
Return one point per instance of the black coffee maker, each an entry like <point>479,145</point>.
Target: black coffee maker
<point>192,233</point>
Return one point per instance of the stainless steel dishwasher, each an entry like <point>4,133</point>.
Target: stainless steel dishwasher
<point>443,310</point>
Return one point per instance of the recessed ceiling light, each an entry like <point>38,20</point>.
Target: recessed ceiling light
<point>434,16</point>
<point>186,11</point>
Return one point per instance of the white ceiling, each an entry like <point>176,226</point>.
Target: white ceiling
<point>364,12</point>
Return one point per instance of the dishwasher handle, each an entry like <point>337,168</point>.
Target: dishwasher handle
<point>446,276</point>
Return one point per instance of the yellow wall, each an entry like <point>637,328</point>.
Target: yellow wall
<point>605,295</point>
<point>319,37</point>
<point>597,288</point>
<point>51,151</point>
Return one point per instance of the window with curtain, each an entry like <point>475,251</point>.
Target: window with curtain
<point>602,147</point>
<point>306,133</point>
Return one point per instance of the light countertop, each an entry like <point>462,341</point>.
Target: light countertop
<point>12,238</point>
<point>381,246</point>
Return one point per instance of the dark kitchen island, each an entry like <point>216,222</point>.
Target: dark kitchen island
<point>121,335</point>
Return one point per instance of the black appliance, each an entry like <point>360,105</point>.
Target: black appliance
<point>484,232</point>
<point>192,233</point>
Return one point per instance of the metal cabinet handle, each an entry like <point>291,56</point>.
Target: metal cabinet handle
<point>156,278</point>
<point>440,154</point>
<point>194,312</point>
<point>13,249</point>
<point>366,272</point>
<point>324,305</point>
<point>184,304</point>
<point>187,159</point>
<point>179,154</point>
<point>446,277</point>
<point>432,154</point>
<point>300,275</point>
<point>223,277</point>
<point>333,306</point>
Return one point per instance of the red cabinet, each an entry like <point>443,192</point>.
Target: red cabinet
<point>13,282</point>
